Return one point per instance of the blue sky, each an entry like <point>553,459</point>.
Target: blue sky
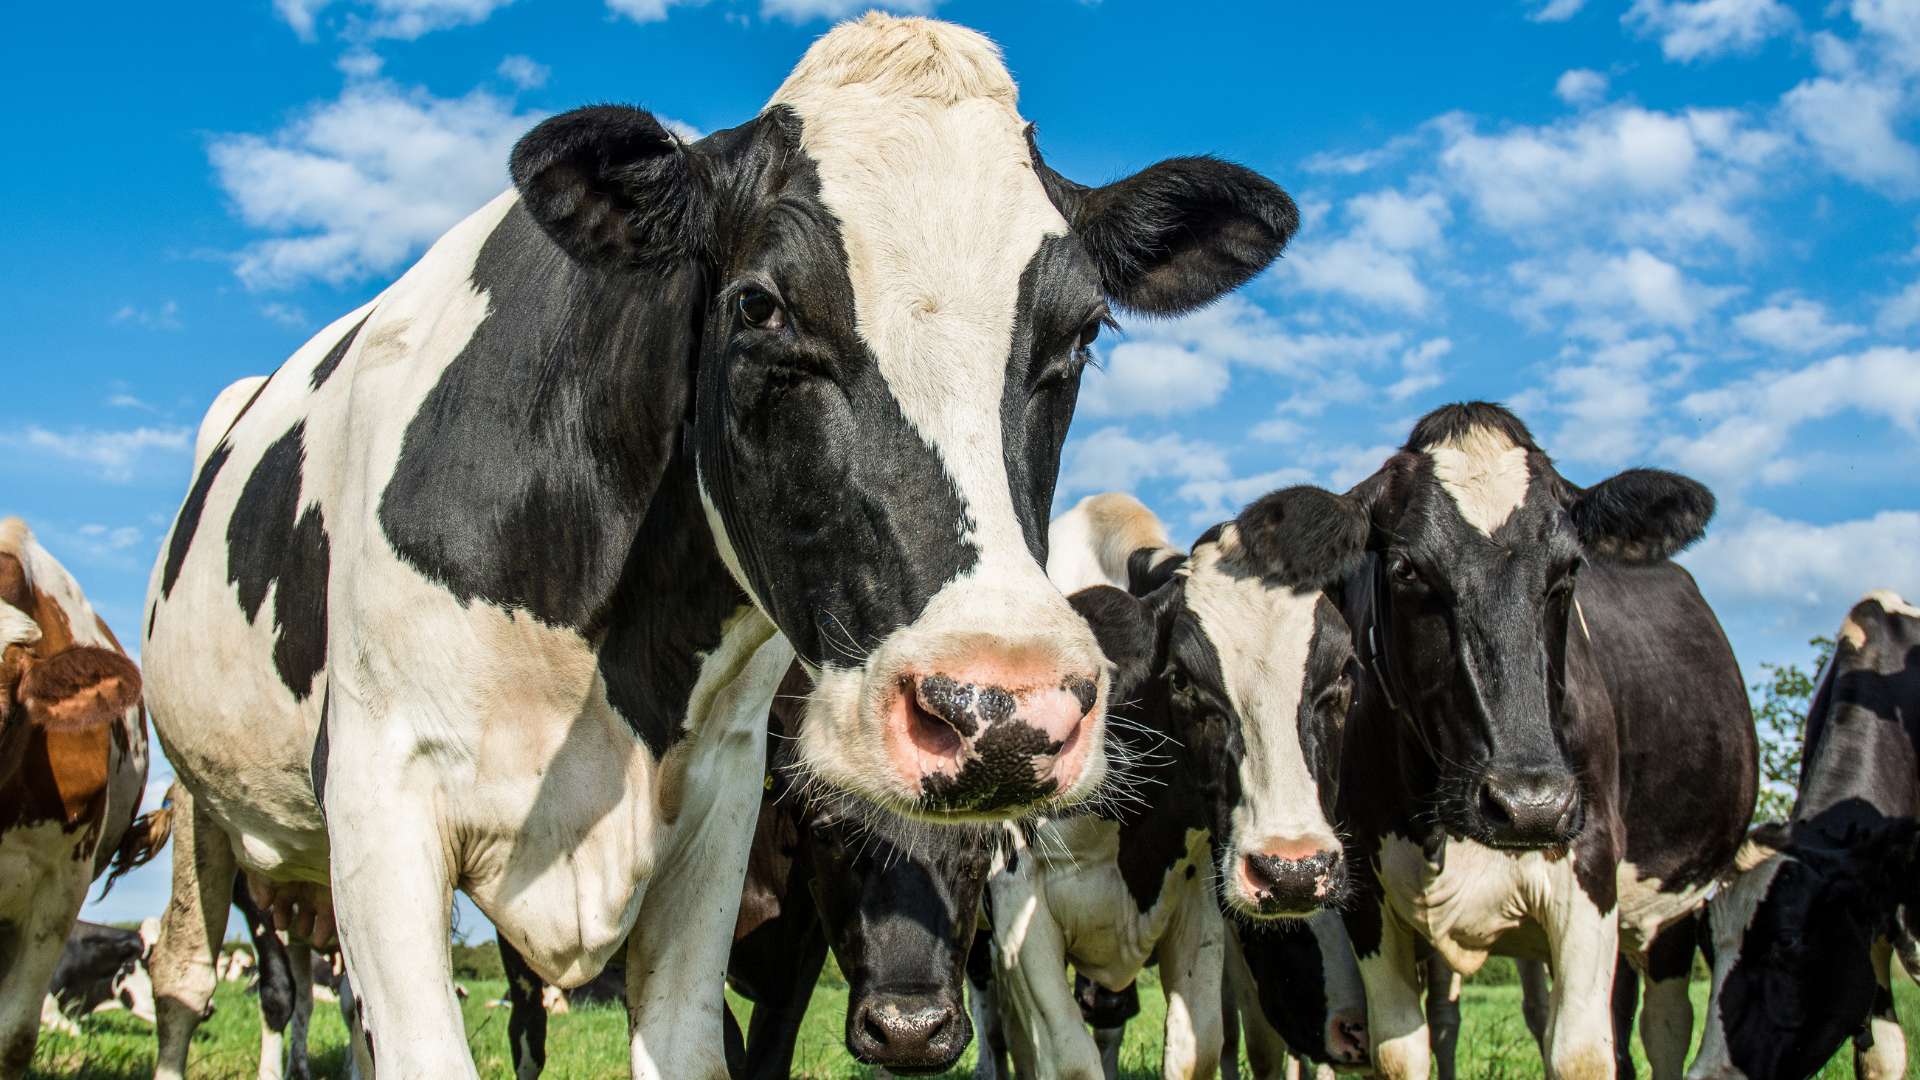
<point>1670,233</point>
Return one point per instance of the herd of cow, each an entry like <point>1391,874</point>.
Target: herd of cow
<point>680,520</point>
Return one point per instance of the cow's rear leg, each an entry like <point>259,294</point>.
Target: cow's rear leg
<point>300,958</point>
<point>1880,1053</point>
<point>1626,1001</point>
<point>1534,988</point>
<point>1666,1012</point>
<point>275,973</point>
<point>29,951</point>
<point>1443,1014</point>
<point>526,1014</point>
<point>182,964</point>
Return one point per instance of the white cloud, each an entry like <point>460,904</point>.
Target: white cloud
<point>1901,310</point>
<point>1360,270</point>
<point>1399,222</point>
<point>112,455</point>
<point>403,19</point>
<point>289,315</point>
<point>1581,87</point>
<point>1793,324</point>
<point>1217,500</point>
<point>804,10</point>
<point>1420,369</point>
<point>1850,123</point>
<point>360,63</point>
<point>649,10</point>
<point>1557,10</point>
<point>1708,28</point>
<point>1636,286</point>
<point>164,317</point>
<point>1604,399</point>
<point>124,400</point>
<point>524,71</point>
<point>1152,378</point>
<point>360,183</point>
<point>1112,459</point>
<point>1671,180</point>
<point>1753,419</point>
<point>1895,27</point>
<point>1823,568</point>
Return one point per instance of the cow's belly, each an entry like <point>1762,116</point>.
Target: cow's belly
<point>1109,938</point>
<point>1482,902</point>
<point>236,735</point>
<point>1646,908</point>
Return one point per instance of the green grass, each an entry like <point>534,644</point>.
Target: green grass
<point>590,1043</point>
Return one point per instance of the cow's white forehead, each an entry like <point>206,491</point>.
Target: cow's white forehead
<point>1485,473</point>
<point>922,157</point>
<point>1262,635</point>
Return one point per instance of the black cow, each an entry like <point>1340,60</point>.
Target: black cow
<point>1803,939</point>
<point>897,902</point>
<point>1551,754</point>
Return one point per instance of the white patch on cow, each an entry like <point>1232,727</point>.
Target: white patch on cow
<point>1647,906</point>
<point>226,408</point>
<point>1886,1057</point>
<point>1729,917</point>
<point>44,872</point>
<point>1263,637</point>
<point>1484,473</point>
<point>1091,543</point>
<point>16,626</point>
<point>923,160</point>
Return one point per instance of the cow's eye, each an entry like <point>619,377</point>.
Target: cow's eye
<point>1178,682</point>
<point>759,309</point>
<point>1403,571</point>
<point>1090,332</point>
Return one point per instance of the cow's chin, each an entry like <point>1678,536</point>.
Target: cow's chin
<point>851,742</point>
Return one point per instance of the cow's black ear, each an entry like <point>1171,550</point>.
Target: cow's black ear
<point>615,189</point>
<point>1180,234</point>
<point>1641,515</point>
<point>1124,626</point>
<point>1302,537</point>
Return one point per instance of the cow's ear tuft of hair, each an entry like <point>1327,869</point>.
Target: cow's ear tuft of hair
<point>1641,515</point>
<point>1180,234</point>
<point>1302,537</point>
<point>615,189</point>
<point>79,688</point>
<point>1124,627</point>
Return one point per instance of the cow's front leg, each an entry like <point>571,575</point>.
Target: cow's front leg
<point>1193,958</point>
<point>677,956</point>
<point>1880,1053</point>
<point>1396,1026</point>
<point>1443,1013</point>
<point>1584,946</point>
<point>392,878</point>
<point>1038,1013</point>
<point>29,951</point>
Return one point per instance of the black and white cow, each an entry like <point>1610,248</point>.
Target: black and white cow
<point>503,568</point>
<point>1234,680</point>
<point>897,902</point>
<point>1802,939</point>
<point>1551,754</point>
<point>100,967</point>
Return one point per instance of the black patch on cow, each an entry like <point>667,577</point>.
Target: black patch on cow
<point>322,747</point>
<point>268,546</point>
<point>1290,974</point>
<point>330,362</point>
<point>1059,298</point>
<point>153,612</point>
<point>273,967</point>
<point>1148,568</point>
<point>189,521</point>
<point>999,774</point>
<point>1449,423</point>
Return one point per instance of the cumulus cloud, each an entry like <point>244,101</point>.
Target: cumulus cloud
<point>1822,569</point>
<point>1216,500</point>
<point>1901,310</point>
<point>1851,126</point>
<point>1751,421</point>
<point>1604,398</point>
<point>1420,369</point>
<point>403,19</point>
<point>649,10</point>
<point>165,316</point>
<point>799,11</point>
<point>1707,28</point>
<point>1581,87</point>
<point>359,184</point>
<point>1113,459</point>
<point>1152,378</point>
<point>1793,324</point>
<point>288,315</point>
<point>1374,261</point>
<point>524,71</point>
<point>1602,290</point>
<point>1557,10</point>
<point>112,455</point>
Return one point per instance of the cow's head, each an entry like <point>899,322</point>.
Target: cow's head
<point>1309,987</point>
<point>897,296</point>
<point>1468,600</point>
<point>899,901</point>
<point>1793,933</point>
<point>1252,666</point>
<point>52,685</point>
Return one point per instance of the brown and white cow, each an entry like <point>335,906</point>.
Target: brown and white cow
<point>73,761</point>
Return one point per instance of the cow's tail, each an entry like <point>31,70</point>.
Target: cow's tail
<point>145,837</point>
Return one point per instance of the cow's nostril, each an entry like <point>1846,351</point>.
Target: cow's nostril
<point>932,715</point>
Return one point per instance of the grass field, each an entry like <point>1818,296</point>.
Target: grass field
<point>589,1044</point>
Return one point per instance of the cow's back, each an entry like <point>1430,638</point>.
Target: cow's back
<point>1686,737</point>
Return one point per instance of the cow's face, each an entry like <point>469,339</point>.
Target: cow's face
<point>1254,667</point>
<point>1470,598</point>
<point>1793,940</point>
<point>898,298</point>
<point>1310,988</point>
<point>900,928</point>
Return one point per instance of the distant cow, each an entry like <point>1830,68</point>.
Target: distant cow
<point>1803,939</point>
<point>1234,680</point>
<point>73,763</point>
<point>490,585</point>
<point>896,901</point>
<point>1551,754</point>
<point>103,967</point>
